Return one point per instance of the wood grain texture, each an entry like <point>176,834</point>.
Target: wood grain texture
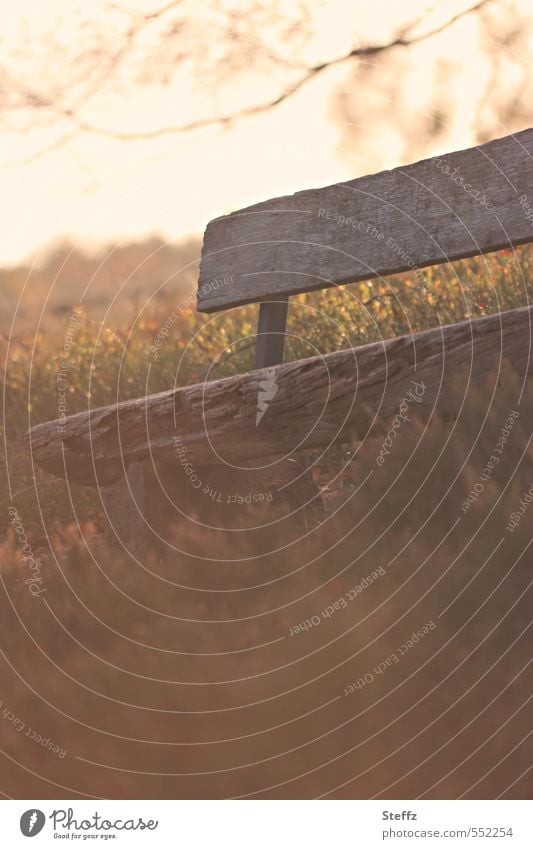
<point>345,395</point>
<point>413,216</point>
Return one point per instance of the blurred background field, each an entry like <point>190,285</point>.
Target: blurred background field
<point>124,128</point>
<point>112,353</point>
<point>177,677</point>
<point>184,674</point>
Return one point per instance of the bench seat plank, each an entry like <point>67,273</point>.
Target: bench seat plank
<point>344,395</point>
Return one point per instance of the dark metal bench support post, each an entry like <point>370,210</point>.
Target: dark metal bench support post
<point>271,332</point>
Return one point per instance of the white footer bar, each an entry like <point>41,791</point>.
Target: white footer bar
<point>268,824</point>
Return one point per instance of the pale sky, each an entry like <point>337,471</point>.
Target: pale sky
<point>95,190</point>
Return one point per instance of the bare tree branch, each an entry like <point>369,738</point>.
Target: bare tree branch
<point>44,151</point>
<point>401,40</point>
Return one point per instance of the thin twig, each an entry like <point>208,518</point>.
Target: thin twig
<point>401,40</point>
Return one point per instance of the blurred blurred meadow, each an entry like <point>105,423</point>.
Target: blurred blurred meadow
<point>378,645</point>
<point>152,339</point>
<point>121,662</point>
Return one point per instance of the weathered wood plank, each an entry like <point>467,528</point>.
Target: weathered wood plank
<point>413,216</point>
<point>344,395</point>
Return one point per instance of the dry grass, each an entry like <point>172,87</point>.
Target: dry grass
<point>177,677</point>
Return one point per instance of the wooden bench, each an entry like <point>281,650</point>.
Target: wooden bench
<point>446,208</point>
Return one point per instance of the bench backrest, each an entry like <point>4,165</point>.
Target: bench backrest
<point>441,209</point>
